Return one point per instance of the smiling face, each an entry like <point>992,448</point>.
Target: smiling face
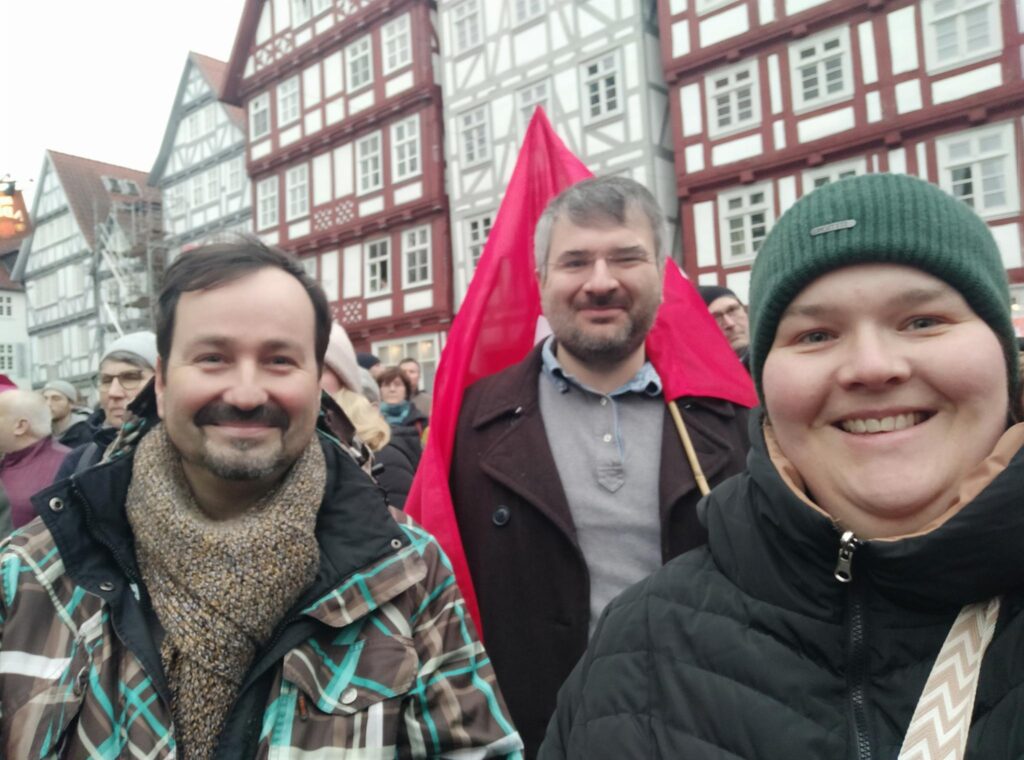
<point>884,389</point>
<point>601,288</point>
<point>239,393</point>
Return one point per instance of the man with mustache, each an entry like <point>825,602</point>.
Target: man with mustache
<point>568,477</point>
<point>228,582</point>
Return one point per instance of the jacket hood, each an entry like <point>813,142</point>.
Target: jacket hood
<point>779,549</point>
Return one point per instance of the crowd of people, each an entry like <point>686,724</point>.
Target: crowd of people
<point>215,562</point>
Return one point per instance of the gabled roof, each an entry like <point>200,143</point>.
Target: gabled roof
<point>214,73</point>
<point>88,197</point>
<point>241,49</point>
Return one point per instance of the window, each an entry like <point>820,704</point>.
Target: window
<point>301,12</point>
<point>234,175</point>
<point>960,31</point>
<point>397,44</point>
<point>745,219</point>
<point>474,136</point>
<point>416,257</point>
<point>319,6</point>
<point>405,148</point>
<point>527,9</point>
<point>821,69</point>
<point>259,116</point>
<point>466,25</point>
<point>733,102</point>
<point>368,162</point>
<point>297,183</point>
<point>198,190</point>
<point>6,357</point>
<point>703,6</point>
<point>477,230</point>
<point>823,175</point>
<point>358,57</point>
<point>423,348</point>
<point>266,203</point>
<point>288,101</point>
<point>212,185</point>
<point>979,168</point>
<point>378,264</point>
<point>529,98</point>
<point>6,306</point>
<point>601,94</point>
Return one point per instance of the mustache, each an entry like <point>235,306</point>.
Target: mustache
<point>603,299</point>
<point>219,412</point>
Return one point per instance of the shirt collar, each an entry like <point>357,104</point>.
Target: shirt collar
<point>646,380</point>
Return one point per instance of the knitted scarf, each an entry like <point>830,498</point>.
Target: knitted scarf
<point>219,588</point>
<point>396,414</point>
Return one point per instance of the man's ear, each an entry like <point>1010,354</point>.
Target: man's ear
<point>21,427</point>
<point>158,386</point>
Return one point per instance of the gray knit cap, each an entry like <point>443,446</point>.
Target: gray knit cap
<point>142,344</point>
<point>64,388</point>
<point>880,219</point>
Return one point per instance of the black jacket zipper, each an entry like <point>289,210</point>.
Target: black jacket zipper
<point>856,650</point>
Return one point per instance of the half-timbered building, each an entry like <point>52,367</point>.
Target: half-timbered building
<point>345,156</point>
<point>772,98</point>
<point>90,265</point>
<point>592,66</point>
<point>200,170</point>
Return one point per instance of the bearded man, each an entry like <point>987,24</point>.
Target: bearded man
<point>229,583</point>
<point>568,477</point>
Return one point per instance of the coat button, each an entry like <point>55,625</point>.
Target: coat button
<point>501,516</point>
<point>106,586</point>
<point>349,696</point>
<point>396,543</point>
<point>56,504</point>
<point>80,680</point>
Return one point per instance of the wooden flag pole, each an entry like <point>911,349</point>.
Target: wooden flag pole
<point>691,454</point>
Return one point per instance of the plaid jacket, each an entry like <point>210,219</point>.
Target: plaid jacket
<point>378,660</point>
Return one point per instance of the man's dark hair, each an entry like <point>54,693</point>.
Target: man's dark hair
<point>210,266</point>
<point>389,375</point>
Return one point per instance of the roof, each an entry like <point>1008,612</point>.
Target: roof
<point>6,283</point>
<point>88,198</point>
<point>240,50</point>
<point>215,73</point>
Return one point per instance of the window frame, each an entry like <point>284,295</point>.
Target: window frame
<point>522,102</point>
<point>706,6</point>
<point>470,9</point>
<point>420,248</point>
<point>833,172</point>
<point>262,198</point>
<point>354,55</point>
<point>284,118</point>
<point>730,91</point>
<point>802,104</point>
<point>264,99</point>
<point>376,155</point>
<point>398,143</point>
<point>929,20</point>
<point>484,126</point>
<point>369,263</point>
<point>727,257</point>
<point>296,203</point>
<point>1007,154</point>
<point>474,239</point>
<point>402,39</point>
<point>586,79</point>
<point>529,14</point>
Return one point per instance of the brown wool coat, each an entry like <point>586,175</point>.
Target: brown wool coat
<point>529,574</point>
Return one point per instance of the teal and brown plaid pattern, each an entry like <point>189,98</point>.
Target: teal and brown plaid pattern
<point>399,672</point>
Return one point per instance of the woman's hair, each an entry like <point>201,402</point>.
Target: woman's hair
<point>390,375</point>
<point>371,427</point>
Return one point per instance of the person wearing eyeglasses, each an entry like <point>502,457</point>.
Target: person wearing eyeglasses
<point>731,316</point>
<point>126,367</point>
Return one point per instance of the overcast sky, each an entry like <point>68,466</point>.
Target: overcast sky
<point>98,79</point>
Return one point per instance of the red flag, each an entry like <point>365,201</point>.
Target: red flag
<point>497,326</point>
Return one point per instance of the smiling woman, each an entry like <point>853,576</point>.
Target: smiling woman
<point>873,547</point>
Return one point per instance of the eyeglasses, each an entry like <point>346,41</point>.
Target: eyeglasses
<point>127,380</point>
<point>732,312</point>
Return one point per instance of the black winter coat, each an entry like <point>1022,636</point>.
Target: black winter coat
<point>750,648</point>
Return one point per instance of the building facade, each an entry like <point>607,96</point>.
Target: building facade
<point>94,257</point>
<point>594,68</point>
<point>346,162</point>
<point>200,170</point>
<point>772,98</point>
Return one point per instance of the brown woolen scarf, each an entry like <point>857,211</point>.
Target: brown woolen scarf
<point>219,588</point>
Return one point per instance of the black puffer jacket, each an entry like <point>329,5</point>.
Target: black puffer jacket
<point>749,647</point>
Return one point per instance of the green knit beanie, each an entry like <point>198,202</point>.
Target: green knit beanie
<point>879,219</point>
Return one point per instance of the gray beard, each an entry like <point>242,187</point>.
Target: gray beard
<point>605,352</point>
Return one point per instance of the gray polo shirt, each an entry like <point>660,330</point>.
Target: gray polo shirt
<point>607,448</point>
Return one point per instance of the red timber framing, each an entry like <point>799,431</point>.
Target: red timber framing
<point>772,97</point>
<point>345,152</point>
